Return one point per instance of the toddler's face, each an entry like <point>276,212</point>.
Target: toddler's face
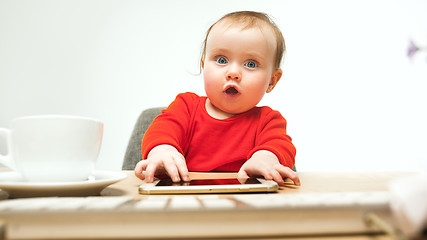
<point>238,68</point>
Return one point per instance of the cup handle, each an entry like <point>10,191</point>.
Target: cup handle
<point>7,159</point>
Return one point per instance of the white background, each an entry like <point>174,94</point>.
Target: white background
<point>352,98</point>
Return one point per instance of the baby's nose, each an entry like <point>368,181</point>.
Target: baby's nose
<point>233,74</point>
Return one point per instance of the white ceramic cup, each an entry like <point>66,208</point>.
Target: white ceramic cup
<point>53,148</point>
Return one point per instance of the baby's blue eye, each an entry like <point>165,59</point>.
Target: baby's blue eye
<point>251,64</point>
<point>221,60</point>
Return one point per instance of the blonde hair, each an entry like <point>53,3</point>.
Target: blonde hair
<point>250,19</point>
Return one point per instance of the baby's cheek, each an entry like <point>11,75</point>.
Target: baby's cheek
<point>212,85</point>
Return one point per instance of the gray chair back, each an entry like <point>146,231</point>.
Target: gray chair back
<point>133,152</point>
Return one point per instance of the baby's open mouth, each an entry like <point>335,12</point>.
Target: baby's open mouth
<point>231,91</point>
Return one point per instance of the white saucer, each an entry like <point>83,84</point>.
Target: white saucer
<point>14,184</point>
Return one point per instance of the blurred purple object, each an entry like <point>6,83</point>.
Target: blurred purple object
<point>412,49</point>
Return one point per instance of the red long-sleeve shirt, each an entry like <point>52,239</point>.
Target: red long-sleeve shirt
<point>210,144</point>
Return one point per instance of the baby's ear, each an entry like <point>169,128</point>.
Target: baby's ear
<point>275,77</point>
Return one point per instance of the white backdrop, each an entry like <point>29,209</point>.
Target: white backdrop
<point>352,98</point>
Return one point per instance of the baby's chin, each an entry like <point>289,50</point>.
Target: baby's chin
<point>229,109</point>
<point>235,110</point>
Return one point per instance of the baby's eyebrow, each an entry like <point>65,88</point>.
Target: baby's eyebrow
<point>249,54</point>
<point>254,55</point>
<point>220,50</point>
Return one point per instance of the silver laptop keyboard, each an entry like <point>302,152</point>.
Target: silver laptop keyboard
<point>291,201</point>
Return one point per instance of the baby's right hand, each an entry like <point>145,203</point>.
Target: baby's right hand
<point>161,159</point>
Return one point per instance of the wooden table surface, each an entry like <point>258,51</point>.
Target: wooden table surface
<point>310,182</point>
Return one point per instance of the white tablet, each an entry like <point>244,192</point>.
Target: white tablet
<point>166,186</point>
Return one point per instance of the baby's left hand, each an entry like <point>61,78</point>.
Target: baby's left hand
<point>265,163</point>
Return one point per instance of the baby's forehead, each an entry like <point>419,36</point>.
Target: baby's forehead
<point>265,29</point>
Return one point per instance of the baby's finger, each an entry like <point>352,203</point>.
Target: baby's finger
<point>182,168</point>
<point>242,174</point>
<point>268,175</point>
<point>150,171</point>
<point>139,168</point>
<point>277,177</point>
<point>172,170</point>
<point>287,172</point>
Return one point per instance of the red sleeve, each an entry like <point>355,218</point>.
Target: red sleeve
<point>172,126</point>
<point>272,136</point>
